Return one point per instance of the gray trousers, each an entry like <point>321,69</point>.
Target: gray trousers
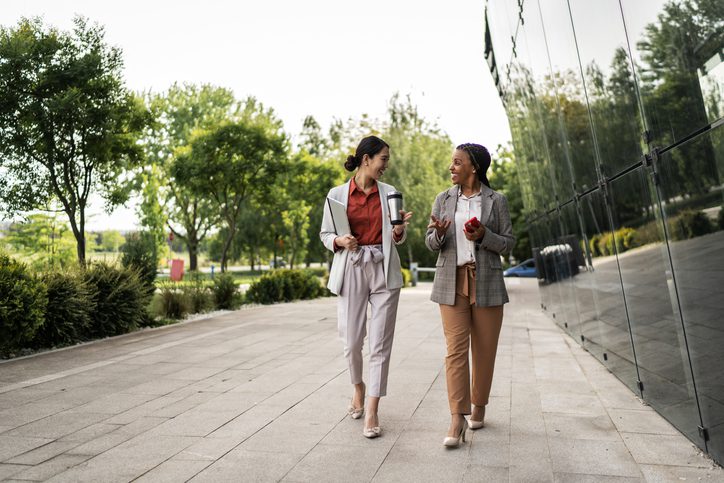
<point>364,281</point>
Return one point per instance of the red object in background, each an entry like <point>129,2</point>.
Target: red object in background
<point>472,224</point>
<point>177,269</point>
<point>170,236</point>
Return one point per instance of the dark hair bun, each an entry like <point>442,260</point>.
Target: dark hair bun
<point>351,163</point>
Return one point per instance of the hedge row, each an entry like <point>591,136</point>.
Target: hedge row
<point>685,225</point>
<point>60,308</point>
<point>285,286</point>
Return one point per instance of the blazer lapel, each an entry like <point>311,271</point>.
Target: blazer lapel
<point>486,203</point>
<point>343,193</point>
<point>448,212</point>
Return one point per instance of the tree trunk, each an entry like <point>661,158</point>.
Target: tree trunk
<point>80,248</point>
<point>227,245</point>
<point>193,256</point>
<point>251,258</point>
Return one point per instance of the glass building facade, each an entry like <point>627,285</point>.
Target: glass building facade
<point>615,108</point>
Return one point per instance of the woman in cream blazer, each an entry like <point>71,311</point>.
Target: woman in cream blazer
<point>366,269</point>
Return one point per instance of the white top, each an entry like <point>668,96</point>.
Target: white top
<point>466,208</point>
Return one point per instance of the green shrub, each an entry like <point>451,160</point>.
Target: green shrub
<point>226,294</point>
<point>171,303</point>
<point>22,305</point>
<point>140,253</point>
<point>626,239</point>
<point>406,277</point>
<point>197,293</point>
<point>285,286</point>
<point>121,299</point>
<point>690,224</point>
<point>593,245</point>
<point>604,245</point>
<point>68,316</point>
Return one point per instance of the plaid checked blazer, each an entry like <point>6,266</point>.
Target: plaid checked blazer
<point>498,240</point>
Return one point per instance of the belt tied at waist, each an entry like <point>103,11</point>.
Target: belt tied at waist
<point>367,253</point>
<point>466,274</point>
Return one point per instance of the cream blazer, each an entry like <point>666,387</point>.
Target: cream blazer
<point>392,267</point>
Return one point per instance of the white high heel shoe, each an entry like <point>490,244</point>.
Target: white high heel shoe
<point>477,424</point>
<point>372,432</point>
<point>354,412</point>
<point>452,442</point>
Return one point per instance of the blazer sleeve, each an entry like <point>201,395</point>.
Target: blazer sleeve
<point>327,233</point>
<point>501,243</point>
<point>432,241</point>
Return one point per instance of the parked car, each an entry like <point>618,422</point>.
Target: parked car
<point>525,269</point>
<point>278,263</point>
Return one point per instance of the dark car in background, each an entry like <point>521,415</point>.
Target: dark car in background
<point>524,269</point>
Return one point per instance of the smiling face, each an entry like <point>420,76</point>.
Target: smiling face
<point>375,166</point>
<point>461,168</point>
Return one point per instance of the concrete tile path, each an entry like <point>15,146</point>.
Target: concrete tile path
<point>260,395</point>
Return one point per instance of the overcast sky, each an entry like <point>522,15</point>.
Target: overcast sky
<point>327,58</point>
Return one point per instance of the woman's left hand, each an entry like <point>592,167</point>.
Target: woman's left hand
<point>400,229</point>
<point>475,235</point>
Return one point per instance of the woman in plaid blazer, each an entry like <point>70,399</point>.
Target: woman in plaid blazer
<point>469,282</point>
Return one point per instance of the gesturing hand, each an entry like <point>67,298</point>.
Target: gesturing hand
<point>440,226</point>
<point>346,241</point>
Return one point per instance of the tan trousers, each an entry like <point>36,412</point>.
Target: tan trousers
<point>364,283</point>
<point>468,326</point>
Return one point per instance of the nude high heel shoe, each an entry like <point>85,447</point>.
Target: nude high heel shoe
<point>477,424</point>
<point>354,412</point>
<point>452,442</point>
<point>371,432</point>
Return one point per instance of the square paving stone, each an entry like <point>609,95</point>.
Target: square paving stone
<point>660,449</point>
<point>172,471</point>
<point>252,466</point>
<point>11,446</point>
<point>583,456</point>
<point>580,427</point>
<point>641,421</point>
<point>334,463</point>
<point>52,467</point>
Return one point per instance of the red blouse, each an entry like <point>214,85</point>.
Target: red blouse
<point>364,212</point>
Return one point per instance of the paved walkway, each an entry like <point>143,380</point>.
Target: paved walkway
<point>260,395</point>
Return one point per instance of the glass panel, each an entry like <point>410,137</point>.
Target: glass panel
<point>524,113</point>
<point>653,312</point>
<point>613,337</point>
<point>610,84</point>
<point>694,222</point>
<point>676,48</point>
<point>575,263</point>
<point>502,36</point>
<point>532,52</point>
<point>576,142</point>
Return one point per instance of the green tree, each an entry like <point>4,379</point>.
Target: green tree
<point>303,186</point>
<point>69,126</point>
<point>233,161</point>
<point>166,203</point>
<point>44,240</point>
<point>111,240</point>
<point>419,156</point>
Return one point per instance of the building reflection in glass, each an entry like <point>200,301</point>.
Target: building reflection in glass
<point>615,108</point>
